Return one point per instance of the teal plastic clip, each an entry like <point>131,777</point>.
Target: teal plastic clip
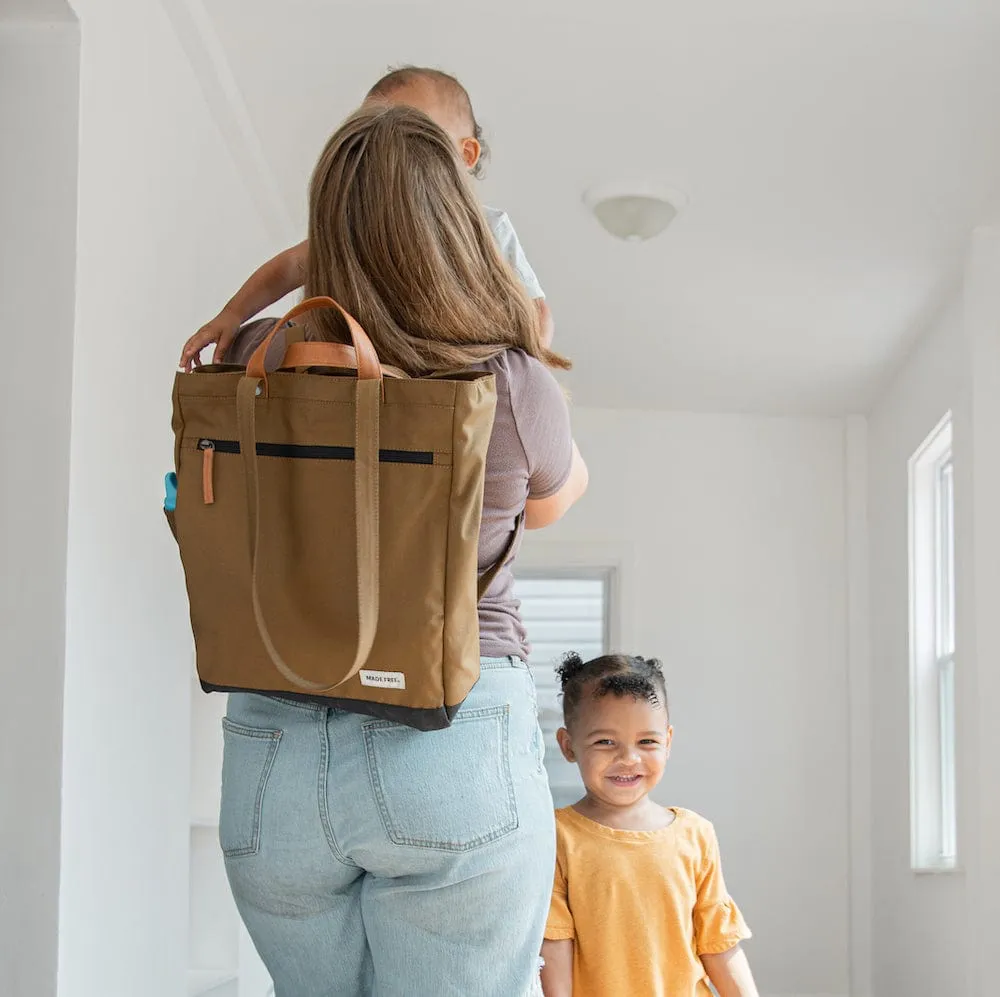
<point>170,499</point>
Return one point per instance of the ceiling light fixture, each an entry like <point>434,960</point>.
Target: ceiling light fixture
<point>634,212</point>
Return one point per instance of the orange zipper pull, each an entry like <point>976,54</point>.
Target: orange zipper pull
<point>207,448</point>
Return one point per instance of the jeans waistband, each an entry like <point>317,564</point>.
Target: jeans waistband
<point>510,661</point>
<point>485,664</point>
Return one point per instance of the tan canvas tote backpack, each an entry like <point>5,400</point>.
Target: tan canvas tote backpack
<point>327,516</point>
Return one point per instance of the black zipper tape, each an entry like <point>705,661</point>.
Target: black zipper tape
<point>308,451</point>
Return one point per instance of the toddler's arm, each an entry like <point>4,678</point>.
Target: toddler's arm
<point>730,973</point>
<point>557,973</point>
<point>268,284</point>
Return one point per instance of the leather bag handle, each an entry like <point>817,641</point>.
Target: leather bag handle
<point>314,354</point>
<point>366,359</point>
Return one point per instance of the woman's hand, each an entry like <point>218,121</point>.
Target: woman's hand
<point>221,330</point>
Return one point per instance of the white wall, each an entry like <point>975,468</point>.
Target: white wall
<point>730,533</point>
<point>166,230</point>
<point>39,63</point>
<point>920,922</point>
<point>933,934</point>
<point>979,641</point>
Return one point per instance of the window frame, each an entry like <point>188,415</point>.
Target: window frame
<point>546,557</point>
<point>575,573</point>
<point>932,674</point>
<point>608,577</point>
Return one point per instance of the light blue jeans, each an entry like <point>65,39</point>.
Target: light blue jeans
<point>371,860</point>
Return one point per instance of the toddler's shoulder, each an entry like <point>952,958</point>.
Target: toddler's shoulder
<point>694,825</point>
<point>691,817</point>
<point>564,819</point>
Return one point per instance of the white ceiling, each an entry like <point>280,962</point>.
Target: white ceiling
<point>837,155</point>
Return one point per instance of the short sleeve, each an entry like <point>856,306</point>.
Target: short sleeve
<point>718,923</point>
<point>560,926</point>
<point>541,416</point>
<point>511,250</point>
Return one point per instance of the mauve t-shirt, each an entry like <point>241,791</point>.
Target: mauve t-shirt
<point>529,456</point>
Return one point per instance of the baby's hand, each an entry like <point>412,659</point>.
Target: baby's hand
<point>221,330</point>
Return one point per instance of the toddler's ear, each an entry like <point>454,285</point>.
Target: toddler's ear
<point>565,744</point>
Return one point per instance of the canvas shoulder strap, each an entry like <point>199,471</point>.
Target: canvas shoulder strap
<point>487,578</point>
<point>368,397</point>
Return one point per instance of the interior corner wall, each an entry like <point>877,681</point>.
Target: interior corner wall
<point>167,231</point>
<point>920,923</point>
<point>978,595</point>
<point>39,97</point>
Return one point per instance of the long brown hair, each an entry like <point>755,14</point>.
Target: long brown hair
<point>397,236</point>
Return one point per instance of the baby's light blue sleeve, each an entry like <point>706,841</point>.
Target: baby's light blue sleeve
<point>510,249</point>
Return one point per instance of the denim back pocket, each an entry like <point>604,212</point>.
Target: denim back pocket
<point>246,765</point>
<point>450,789</point>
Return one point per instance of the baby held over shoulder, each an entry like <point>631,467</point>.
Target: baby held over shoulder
<point>447,103</point>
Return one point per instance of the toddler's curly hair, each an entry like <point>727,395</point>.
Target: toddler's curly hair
<point>610,675</point>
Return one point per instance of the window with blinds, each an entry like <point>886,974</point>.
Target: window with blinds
<point>562,612</point>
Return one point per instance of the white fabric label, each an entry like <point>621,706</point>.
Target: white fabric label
<point>383,680</point>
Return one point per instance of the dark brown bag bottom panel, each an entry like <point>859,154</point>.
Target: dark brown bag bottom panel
<point>418,719</point>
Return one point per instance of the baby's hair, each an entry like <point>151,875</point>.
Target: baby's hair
<point>610,675</point>
<point>403,76</point>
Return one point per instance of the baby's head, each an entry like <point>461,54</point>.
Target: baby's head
<point>444,100</point>
<point>617,724</point>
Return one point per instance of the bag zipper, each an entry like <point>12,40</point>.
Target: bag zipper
<point>316,451</point>
<point>299,451</point>
<point>207,448</point>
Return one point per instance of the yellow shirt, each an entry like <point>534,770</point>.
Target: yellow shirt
<point>641,906</point>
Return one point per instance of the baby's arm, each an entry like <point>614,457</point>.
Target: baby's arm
<point>512,251</point>
<point>545,322</point>
<point>730,973</point>
<point>557,973</point>
<point>268,284</point>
